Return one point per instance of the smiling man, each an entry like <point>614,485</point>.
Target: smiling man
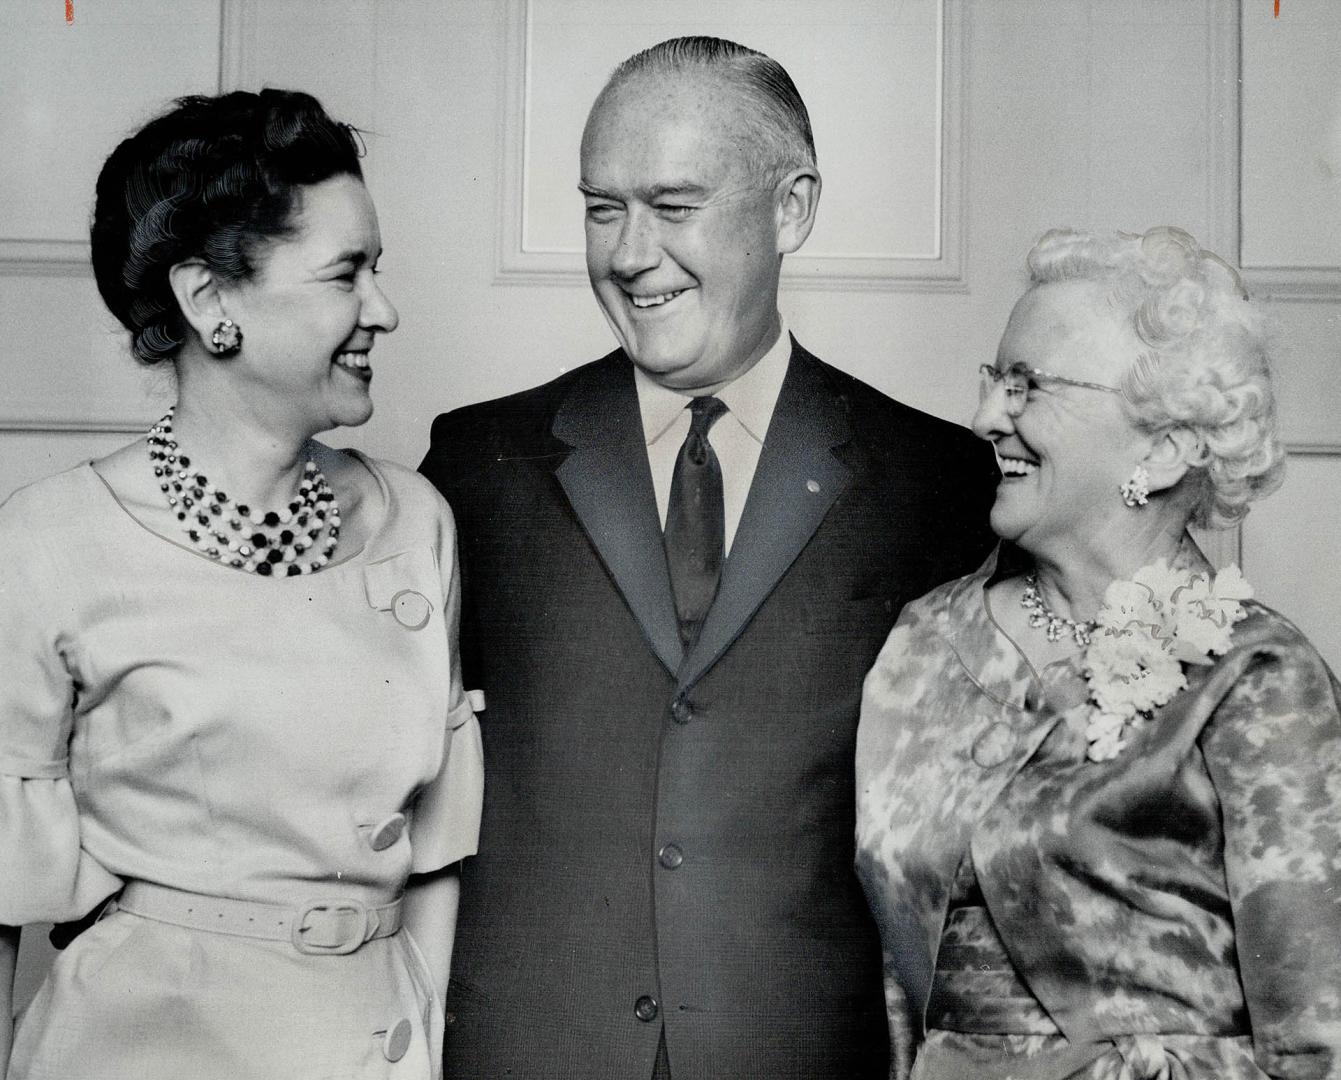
<point>679,562</point>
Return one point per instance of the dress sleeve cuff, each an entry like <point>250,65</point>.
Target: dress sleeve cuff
<point>446,823</point>
<point>48,877</point>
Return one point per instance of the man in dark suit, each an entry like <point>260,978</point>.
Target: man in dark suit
<point>678,563</point>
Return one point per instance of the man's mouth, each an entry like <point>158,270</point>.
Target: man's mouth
<point>653,301</point>
<point>355,362</point>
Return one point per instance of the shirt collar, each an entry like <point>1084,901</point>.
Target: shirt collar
<point>750,397</point>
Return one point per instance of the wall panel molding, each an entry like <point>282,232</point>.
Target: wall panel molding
<point>937,270</point>
<point>1222,130</point>
<point>44,258</point>
<point>239,21</point>
<point>18,425</point>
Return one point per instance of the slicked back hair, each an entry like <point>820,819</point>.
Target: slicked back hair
<point>779,138</point>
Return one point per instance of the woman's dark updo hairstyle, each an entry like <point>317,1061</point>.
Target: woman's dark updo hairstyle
<point>214,179</point>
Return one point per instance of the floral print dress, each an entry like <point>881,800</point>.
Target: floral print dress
<point>1174,912</point>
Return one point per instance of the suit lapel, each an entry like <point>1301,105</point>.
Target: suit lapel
<point>609,485</point>
<point>796,481</point>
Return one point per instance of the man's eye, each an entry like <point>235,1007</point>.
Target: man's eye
<point>675,211</point>
<point>602,212</point>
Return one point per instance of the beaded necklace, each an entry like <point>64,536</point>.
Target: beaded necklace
<point>265,542</point>
<point>1055,625</point>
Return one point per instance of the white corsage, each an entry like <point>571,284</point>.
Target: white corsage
<point>1149,628</point>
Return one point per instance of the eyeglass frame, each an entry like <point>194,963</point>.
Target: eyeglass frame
<point>999,377</point>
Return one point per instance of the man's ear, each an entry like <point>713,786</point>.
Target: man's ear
<point>197,294</point>
<point>1171,455</point>
<point>797,200</point>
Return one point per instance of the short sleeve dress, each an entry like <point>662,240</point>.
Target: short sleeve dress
<point>169,720</point>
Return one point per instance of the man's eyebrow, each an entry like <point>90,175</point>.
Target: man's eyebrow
<point>684,188</point>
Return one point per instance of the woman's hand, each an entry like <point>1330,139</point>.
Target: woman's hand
<point>430,916</point>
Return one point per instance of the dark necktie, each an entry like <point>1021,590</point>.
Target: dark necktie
<point>695,521</point>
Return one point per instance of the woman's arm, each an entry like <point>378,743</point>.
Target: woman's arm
<point>1273,749</point>
<point>9,955</point>
<point>430,916</point>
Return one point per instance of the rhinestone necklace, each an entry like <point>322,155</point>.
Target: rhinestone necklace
<point>259,542</point>
<point>1042,615</point>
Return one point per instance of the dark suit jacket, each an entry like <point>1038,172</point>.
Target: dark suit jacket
<point>581,933</point>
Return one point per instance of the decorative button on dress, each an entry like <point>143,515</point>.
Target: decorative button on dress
<point>169,720</point>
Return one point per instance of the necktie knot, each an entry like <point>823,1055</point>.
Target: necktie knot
<point>705,411</point>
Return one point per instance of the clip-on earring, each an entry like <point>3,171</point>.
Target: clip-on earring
<point>227,338</point>
<point>1136,491</point>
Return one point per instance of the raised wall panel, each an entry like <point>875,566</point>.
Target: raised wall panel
<point>72,90</point>
<point>1291,146</point>
<point>882,84</point>
<point>1292,550</point>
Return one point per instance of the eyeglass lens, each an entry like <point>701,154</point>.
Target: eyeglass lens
<point>1015,381</point>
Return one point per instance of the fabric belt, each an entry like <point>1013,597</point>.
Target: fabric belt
<point>321,927</point>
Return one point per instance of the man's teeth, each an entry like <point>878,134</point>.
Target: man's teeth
<point>1016,466</point>
<point>353,360</point>
<point>653,301</point>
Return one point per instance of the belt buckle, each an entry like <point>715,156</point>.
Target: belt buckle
<point>347,944</point>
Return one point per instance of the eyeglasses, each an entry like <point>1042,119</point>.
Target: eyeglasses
<point>1019,379</point>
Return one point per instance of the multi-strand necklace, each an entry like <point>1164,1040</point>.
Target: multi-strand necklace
<point>1054,625</point>
<point>259,542</point>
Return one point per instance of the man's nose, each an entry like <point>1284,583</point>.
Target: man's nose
<point>638,247</point>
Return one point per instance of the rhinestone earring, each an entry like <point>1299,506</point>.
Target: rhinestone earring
<point>1136,491</point>
<point>227,338</point>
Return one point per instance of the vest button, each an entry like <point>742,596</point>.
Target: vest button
<point>681,711</point>
<point>645,1008</point>
<point>670,857</point>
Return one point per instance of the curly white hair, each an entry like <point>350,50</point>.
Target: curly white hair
<point>1206,365</point>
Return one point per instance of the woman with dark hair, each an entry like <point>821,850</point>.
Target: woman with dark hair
<point>1099,785</point>
<point>231,700</point>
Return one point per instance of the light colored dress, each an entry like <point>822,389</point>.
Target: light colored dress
<point>1172,914</point>
<point>167,719</point>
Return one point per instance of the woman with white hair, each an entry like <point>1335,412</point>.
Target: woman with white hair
<point>1099,786</point>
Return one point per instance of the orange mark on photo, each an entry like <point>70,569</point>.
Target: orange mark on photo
<point>1276,14</point>
<point>69,12</point>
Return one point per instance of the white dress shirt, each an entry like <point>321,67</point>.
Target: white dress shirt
<point>737,437</point>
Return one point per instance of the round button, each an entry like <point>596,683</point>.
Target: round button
<point>813,486</point>
<point>645,1008</point>
<point>387,833</point>
<point>670,857</point>
<point>411,609</point>
<point>994,746</point>
<point>396,1041</point>
<point>681,711</point>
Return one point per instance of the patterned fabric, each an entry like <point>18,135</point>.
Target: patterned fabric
<point>1176,911</point>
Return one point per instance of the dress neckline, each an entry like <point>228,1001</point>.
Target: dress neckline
<point>388,502</point>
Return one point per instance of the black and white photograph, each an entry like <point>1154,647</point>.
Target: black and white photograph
<point>726,540</point>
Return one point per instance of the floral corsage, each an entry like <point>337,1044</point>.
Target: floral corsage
<point>1148,629</point>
